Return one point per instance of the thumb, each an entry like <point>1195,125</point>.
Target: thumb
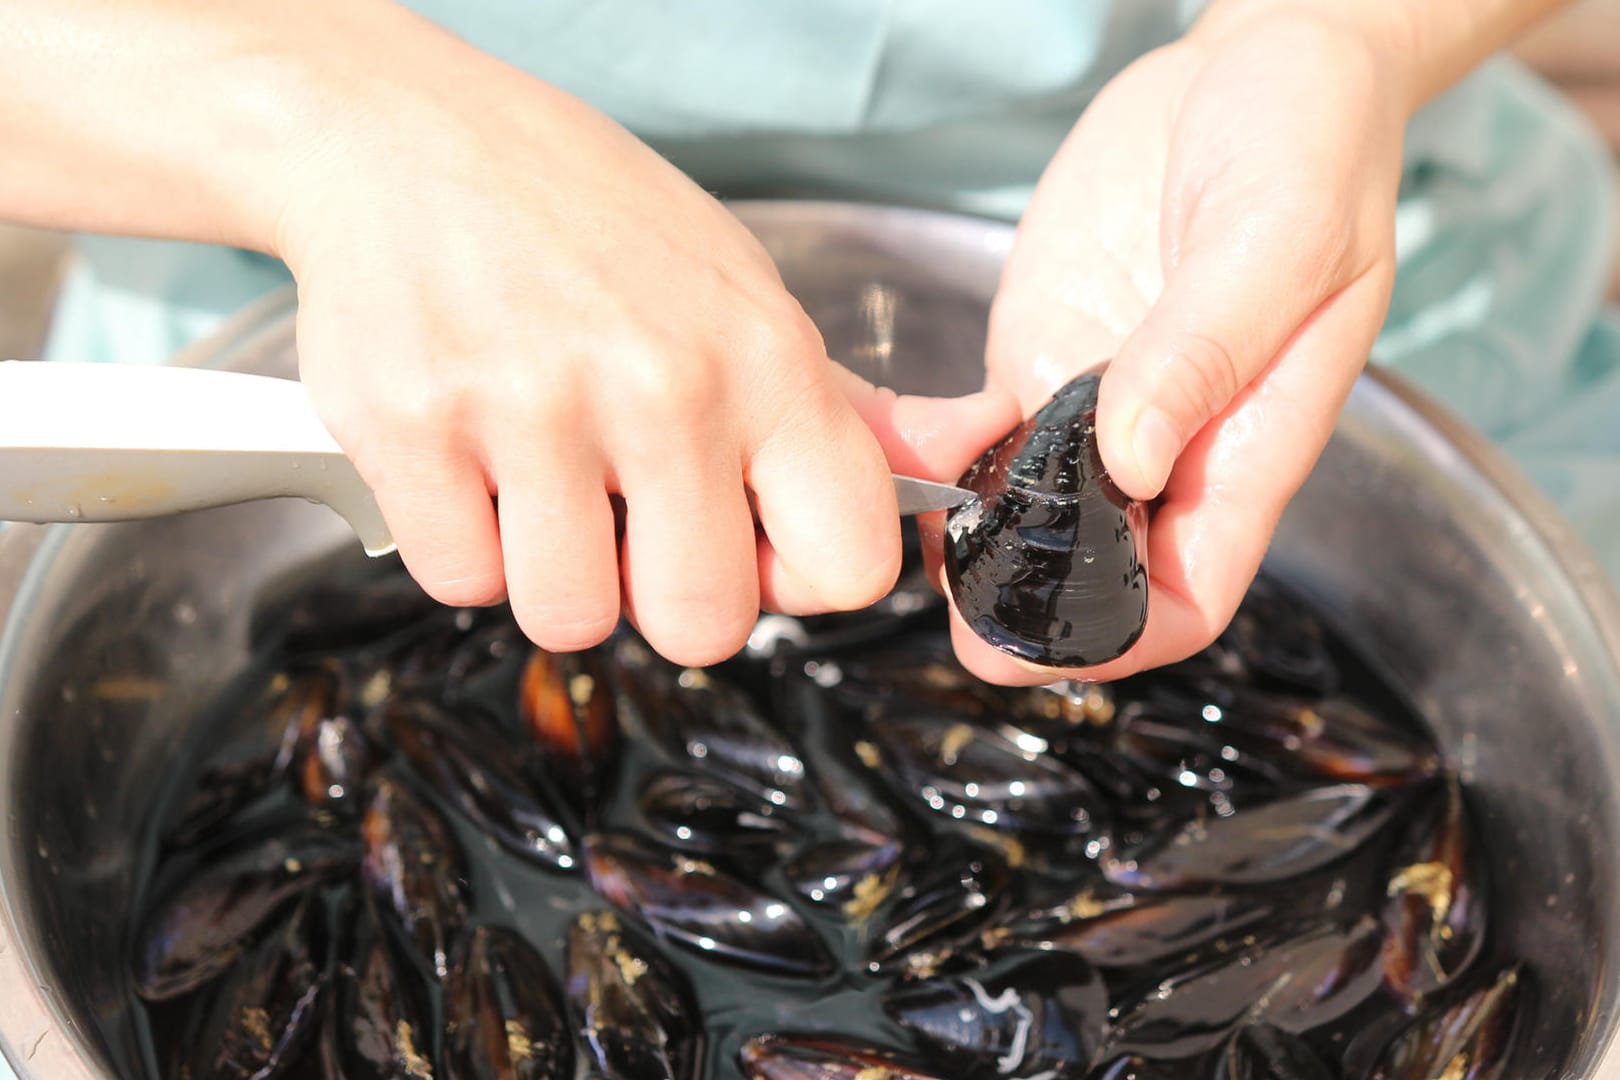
<point>928,437</point>
<point>1228,308</point>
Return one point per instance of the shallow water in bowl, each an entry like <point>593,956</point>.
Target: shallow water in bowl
<point>797,692</point>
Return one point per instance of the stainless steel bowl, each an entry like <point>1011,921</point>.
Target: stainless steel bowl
<point>1455,576</point>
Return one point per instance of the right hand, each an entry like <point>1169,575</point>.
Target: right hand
<point>504,295</point>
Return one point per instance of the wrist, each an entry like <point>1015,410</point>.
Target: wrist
<point>1427,44</point>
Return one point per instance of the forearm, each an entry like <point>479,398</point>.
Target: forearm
<point>1437,41</point>
<point>188,119</point>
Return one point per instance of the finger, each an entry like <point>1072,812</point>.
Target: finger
<point>1240,288</point>
<point>557,530</point>
<point>927,437</point>
<point>1230,486</point>
<point>827,507</point>
<point>930,437</point>
<point>437,504</point>
<point>688,557</point>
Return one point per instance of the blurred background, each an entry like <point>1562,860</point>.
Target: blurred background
<point>1579,51</point>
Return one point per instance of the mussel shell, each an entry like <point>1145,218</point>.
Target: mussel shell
<point>697,813</point>
<point>342,615</point>
<point>1329,738</point>
<point>265,1011</point>
<point>1295,983</point>
<point>1013,1011</point>
<point>1274,641</point>
<point>638,1019</point>
<point>1260,844</point>
<point>504,1017</point>
<point>812,1057</point>
<point>1263,1052</point>
<point>707,724</point>
<point>378,1022</point>
<point>1435,902</point>
<point>850,876</point>
<point>1049,562</point>
<point>690,903</point>
<point>200,928</point>
<point>415,871</point>
<point>998,776</point>
<point>1471,1039</point>
<point>566,700</point>
<point>1116,929</point>
<point>940,910</point>
<point>464,764</point>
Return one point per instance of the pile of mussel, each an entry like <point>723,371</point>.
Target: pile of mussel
<point>414,846</point>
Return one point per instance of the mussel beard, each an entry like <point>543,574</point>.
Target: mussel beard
<point>1049,562</point>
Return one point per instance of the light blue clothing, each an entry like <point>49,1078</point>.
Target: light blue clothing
<point>1504,229</point>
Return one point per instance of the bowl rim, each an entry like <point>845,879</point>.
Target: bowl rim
<point>39,1038</point>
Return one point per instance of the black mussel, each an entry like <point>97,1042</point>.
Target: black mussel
<point>844,773</point>
<point>1013,1012</point>
<point>457,650</point>
<point>1193,755</point>
<point>942,909</point>
<point>1471,1039</point>
<point>1434,910</point>
<point>851,876</point>
<point>1118,929</point>
<point>338,616</point>
<point>1331,738</point>
<point>329,757</point>
<point>1000,777</point>
<point>265,1011</point>
<point>637,1016</point>
<point>1274,640</point>
<point>1263,1052</point>
<point>922,670</point>
<point>1296,984</point>
<point>1049,562</point>
<point>459,759</point>
<point>1259,844</point>
<point>567,702</point>
<point>199,929</point>
<point>377,1024</point>
<point>504,1016</point>
<point>221,791</point>
<point>708,724</point>
<point>689,902</point>
<point>1136,1067</point>
<point>814,1057</point>
<point>415,872</point>
<point>696,813</point>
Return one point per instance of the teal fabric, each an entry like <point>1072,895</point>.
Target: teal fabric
<point>1505,224</point>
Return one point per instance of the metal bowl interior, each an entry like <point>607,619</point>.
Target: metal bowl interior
<point>1455,577</point>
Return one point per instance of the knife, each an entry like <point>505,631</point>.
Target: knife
<point>108,442</point>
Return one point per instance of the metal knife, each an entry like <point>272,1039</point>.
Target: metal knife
<point>108,442</point>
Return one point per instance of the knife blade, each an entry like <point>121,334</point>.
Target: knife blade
<point>922,496</point>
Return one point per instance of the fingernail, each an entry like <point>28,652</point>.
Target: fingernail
<point>1156,446</point>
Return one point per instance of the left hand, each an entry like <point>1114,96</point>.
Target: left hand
<point>1219,224</point>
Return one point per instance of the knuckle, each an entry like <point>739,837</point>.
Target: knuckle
<point>861,579</point>
<point>1204,374</point>
<point>655,384</point>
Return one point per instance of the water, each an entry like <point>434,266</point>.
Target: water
<point>737,1003</point>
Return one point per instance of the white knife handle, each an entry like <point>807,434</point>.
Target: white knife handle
<point>108,442</point>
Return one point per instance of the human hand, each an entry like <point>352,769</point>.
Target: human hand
<point>504,295</point>
<point>1220,223</point>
